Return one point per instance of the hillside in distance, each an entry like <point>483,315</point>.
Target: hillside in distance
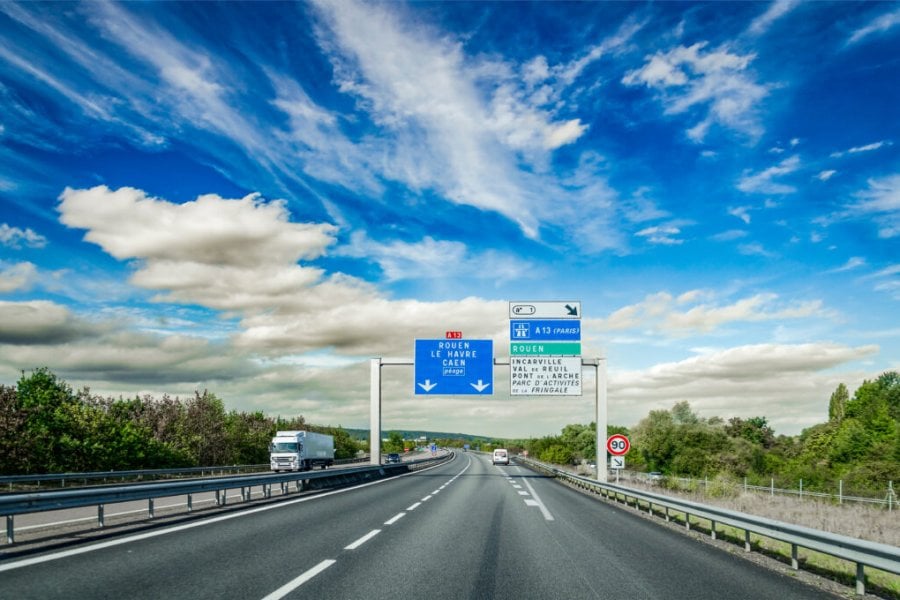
<point>412,434</point>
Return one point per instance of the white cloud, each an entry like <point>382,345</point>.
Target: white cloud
<point>886,280</point>
<point>641,208</point>
<point>13,237</point>
<point>860,149</point>
<point>776,10</point>
<point>473,118</point>
<point>854,262</point>
<point>687,77</point>
<point>430,258</point>
<point>39,333</point>
<point>881,201</point>
<point>879,25</point>
<point>19,276</point>
<point>662,234</point>
<point>868,147</point>
<point>665,314</point>
<point>788,384</point>
<point>755,249</point>
<point>565,133</point>
<point>825,175</point>
<point>467,130</point>
<point>763,182</point>
<point>741,212</point>
<point>242,256</point>
<point>227,254</point>
<point>209,230</point>
<point>730,235</point>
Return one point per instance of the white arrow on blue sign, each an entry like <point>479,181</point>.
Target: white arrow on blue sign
<point>454,367</point>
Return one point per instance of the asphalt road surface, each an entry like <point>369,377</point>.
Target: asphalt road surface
<point>463,529</point>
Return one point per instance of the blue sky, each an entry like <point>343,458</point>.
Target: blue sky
<point>257,198</point>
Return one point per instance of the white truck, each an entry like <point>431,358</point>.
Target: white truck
<point>300,451</point>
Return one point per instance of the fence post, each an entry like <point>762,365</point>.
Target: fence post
<point>890,495</point>
<point>10,531</point>
<point>745,485</point>
<point>801,489</point>
<point>841,491</point>
<point>772,487</point>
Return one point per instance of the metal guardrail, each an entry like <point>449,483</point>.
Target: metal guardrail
<point>99,496</point>
<point>861,552</point>
<point>889,500</point>
<point>9,480</point>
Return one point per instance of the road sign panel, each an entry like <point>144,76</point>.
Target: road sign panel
<point>617,462</point>
<point>545,349</point>
<point>544,329</point>
<point>452,367</point>
<point>545,310</point>
<point>545,375</point>
<point>618,445</point>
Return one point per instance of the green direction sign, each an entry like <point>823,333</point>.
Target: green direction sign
<point>546,349</point>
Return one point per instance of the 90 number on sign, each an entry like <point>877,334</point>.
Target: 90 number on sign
<point>618,445</point>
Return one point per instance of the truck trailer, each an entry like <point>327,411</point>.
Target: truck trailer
<point>300,451</point>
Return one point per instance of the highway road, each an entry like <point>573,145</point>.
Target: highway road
<point>463,529</point>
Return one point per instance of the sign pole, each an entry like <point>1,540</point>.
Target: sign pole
<point>600,406</point>
<point>375,412</point>
<point>602,417</point>
<point>375,365</point>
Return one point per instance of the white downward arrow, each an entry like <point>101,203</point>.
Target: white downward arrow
<point>427,386</point>
<point>480,386</point>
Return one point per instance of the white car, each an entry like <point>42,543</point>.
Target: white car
<point>501,457</point>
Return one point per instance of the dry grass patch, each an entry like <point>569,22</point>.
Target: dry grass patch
<point>858,521</point>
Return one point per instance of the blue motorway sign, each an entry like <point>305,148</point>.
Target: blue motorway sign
<point>450,367</point>
<point>544,330</point>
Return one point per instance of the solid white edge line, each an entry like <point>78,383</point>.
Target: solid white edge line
<point>295,583</point>
<point>152,534</point>
<point>363,540</point>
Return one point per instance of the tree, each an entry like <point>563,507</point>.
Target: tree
<point>44,399</point>
<point>754,429</point>
<point>655,438</point>
<point>203,430</point>
<point>580,441</point>
<point>14,455</point>
<point>837,406</point>
<point>683,415</point>
<point>247,437</point>
<point>394,442</point>
<point>556,454</point>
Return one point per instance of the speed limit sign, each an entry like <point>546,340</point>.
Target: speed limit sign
<point>618,445</point>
